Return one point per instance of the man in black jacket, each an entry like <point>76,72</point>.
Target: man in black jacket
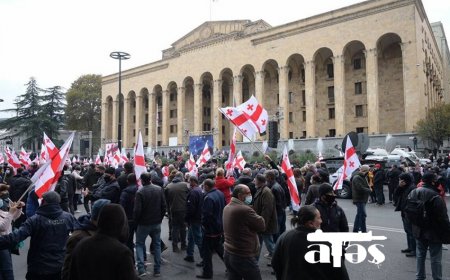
<point>193,218</point>
<point>436,232</point>
<point>405,186</point>
<point>110,190</point>
<point>246,179</point>
<point>378,183</point>
<point>148,213</point>
<point>280,202</point>
<point>333,216</point>
<point>49,230</point>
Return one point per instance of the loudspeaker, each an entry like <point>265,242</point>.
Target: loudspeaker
<point>273,134</point>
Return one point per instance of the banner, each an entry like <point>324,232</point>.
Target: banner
<point>197,143</point>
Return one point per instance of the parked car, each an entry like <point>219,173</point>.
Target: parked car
<point>410,155</point>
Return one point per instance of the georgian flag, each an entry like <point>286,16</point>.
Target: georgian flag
<point>292,185</point>
<point>98,160</point>
<point>255,112</point>
<point>44,156</point>
<point>204,156</point>
<point>24,157</point>
<point>11,157</point>
<point>139,159</point>
<point>50,175</point>
<point>123,156</point>
<point>51,148</point>
<point>239,161</point>
<point>351,163</point>
<point>240,120</point>
<point>232,154</point>
<point>2,159</point>
<point>191,166</point>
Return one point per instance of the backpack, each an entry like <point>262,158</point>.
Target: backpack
<point>417,211</point>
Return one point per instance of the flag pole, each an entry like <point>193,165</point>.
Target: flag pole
<point>251,141</point>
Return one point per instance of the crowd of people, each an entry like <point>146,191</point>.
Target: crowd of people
<point>230,213</point>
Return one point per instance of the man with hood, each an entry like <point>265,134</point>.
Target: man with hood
<point>333,216</point>
<point>86,228</point>
<point>49,230</point>
<point>103,255</point>
<point>246,179</point>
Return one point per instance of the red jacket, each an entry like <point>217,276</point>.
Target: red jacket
<point>224,185</point>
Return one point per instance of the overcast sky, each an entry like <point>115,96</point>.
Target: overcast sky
<point>57,41</point>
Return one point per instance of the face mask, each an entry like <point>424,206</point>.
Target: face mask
<point>248,200</point>
<point>107,179</point>
<point>330,199</point>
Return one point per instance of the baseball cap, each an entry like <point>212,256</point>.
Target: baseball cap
<point>326,189</point>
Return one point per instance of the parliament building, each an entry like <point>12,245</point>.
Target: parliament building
<point>373,67</point>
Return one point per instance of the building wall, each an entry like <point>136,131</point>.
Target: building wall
<point>268,62</point>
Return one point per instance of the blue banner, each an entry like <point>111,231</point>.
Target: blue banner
<point>197,143</point>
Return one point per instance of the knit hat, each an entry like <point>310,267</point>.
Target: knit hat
<point>110,171</point>
<point>326,189</point>
<point>111,221</point>
<point>98,205</point>
<point>51,197</point>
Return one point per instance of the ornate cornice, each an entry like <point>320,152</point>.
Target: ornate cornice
<point>115,78</point>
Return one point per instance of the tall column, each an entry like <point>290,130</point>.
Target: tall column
<point>373,103</point>
<point>339,94</point>
<point>411,93</point>
<point>126,124</point>
<point>165,118</point>
<point>198,108</point>
<point>139,116</point>
<point>283,84</point>
<point>310,91</point>
<point>181,101</point>
<point>105,122</point>
<point>152,125</point>
<point>217,116</point>
<point>237,97</point>
<point>259,86</point>
<point>115,120</point>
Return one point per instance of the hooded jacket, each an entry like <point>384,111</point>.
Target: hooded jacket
<point>49,230</point>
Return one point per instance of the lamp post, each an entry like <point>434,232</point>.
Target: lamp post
<point>120,56</point>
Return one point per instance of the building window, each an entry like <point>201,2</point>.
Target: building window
<point>330,94</point>
<point>133,103</point>
<point>134,132</point>
<point>360,130</point>
<point>291,135</point>
<point>173,113</point>
<point>173,97</point>
<point>159,130</point>
<point>359,111</point>
<point>331,113</point>
<point>134,118</point>
<point>159,101</point>
<point>146,119</point>
<point>159,143</point>
<point>358,88</point>
<point>302,71</point>
<point>303,98</point>
<point>206,127</point>
<point>146,144</point>
<point>278,99</point>
<point>291,97</point>
<point>357,63</point>
<point>291,117</point>
<point>330,70</point>
<point>146,131</point>
<point>304,134</point>
<point>332,132</point>
<point>223,130</point>
<point>173,128</point>
<point>304,116</point>
<point>206,111</point>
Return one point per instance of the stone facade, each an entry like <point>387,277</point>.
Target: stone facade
<point>372,67</point>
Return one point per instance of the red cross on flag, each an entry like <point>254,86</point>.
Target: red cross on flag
<point>232,153</point>
<point>292,185</point>
<point>52,150</point>
<point>351,163</point>
<point>43,156</point>
<point>123,156</point>
<point>2,159</point>
<point>255,112</point>
<point>24,157</point>
<point>240,120</point>
<point>50,175</point>
<point>204,156</point>
<point>191,166</point>
<point>139,159</point>
<point>11,157</point>
<point>239,161</point>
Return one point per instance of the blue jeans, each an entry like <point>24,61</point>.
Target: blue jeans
<point>142,232</point>
<point>268,240</point>
<point>6,266</point>
<point>195,237</point>
<point>409,235</point>
<point>435,259</point>
<point>360,218</point>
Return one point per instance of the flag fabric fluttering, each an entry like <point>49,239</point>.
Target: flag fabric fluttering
<point>256,113</point>
<point>204,156</point>
<point>351,163</point>
<point>265,146</point>
<point>52,150</point>
<point>191,165</point>
<point>50,175</point>
<point>43,156</point>
<point>98,160</point>
<point>232,154</point>
<point>2,159</point>
<point>24,157</point>
<point>239,161</point>
<point>11,158</point>
<point>292,185</point>
<point>123,156</point>
<point>240,120</point>
<point>139,159</point>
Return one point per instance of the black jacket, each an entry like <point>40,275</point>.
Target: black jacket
<point>280,198</point>
<point>194,205</point>
<point>212,212</point>
<point>333,217</point>
<point>127,200</point>
<point>402,194</point>
<point>379,178</point>
<point>110,190</point>
<point>149,205</point>
<point>18,185</point>
<point>49,230</point>
<point>248,181</point>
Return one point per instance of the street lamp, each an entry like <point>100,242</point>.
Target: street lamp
<point>120,56</point>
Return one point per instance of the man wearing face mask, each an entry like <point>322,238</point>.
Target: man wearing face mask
<point>92,180</point>
<point>333,216</point>
<point>110,190</point>
<point>264,205</point>
<point>241,225</point>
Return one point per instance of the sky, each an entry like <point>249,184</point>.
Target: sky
<point>57,41</point>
